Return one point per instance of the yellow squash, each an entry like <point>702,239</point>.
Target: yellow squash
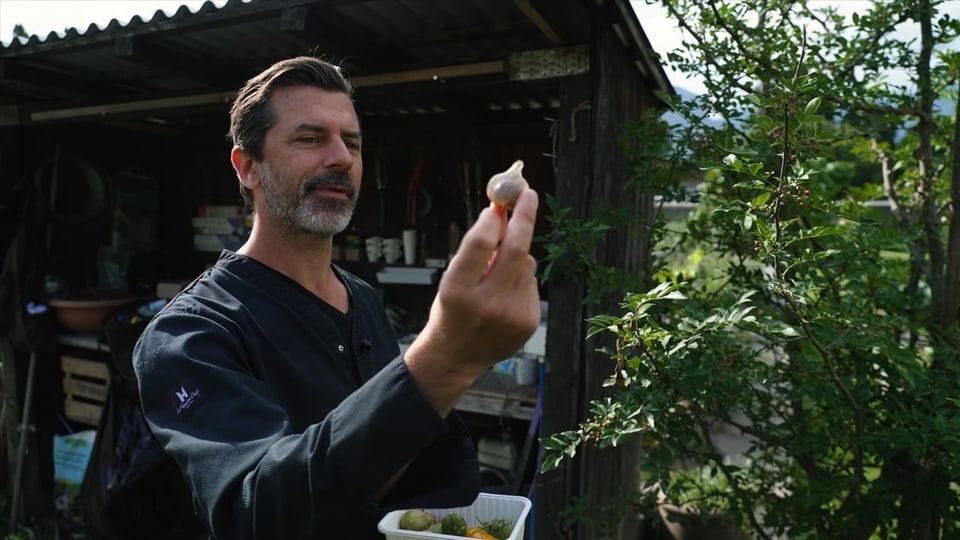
<point>477,532</point>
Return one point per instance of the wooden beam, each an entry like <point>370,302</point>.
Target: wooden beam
<point>133,106</point>
<point>537,19</point>
<point>447,72</point>
<point>648,64</point>
<point>444,72</point>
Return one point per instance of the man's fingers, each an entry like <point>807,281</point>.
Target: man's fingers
<point>486,245</point>
<point>502,212</point>
<point>476,248</point>
<point>520,227</point>
<point>514,249</point>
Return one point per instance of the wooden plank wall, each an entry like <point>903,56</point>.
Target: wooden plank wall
<point>563,384</point>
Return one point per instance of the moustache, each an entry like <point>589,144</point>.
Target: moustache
<point>338,179</point>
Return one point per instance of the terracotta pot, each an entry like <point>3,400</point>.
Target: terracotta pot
<point>86,316</point>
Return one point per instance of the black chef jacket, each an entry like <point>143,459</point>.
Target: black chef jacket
<point>285,427</point>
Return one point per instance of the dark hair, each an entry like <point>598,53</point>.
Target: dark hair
<point>251,115</point>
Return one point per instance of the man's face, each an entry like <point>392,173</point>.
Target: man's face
<point>312,166</point>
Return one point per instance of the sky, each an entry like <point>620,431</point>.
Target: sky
<point>43,16</point>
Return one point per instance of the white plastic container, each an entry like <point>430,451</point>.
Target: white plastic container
<point>486,507</point>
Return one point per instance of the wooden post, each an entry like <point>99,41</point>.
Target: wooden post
<point>592,174</point>
<point>565,320</point>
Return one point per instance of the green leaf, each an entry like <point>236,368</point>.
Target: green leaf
<point>760,200</point>
<point>550,462</point>
<point>786,331</point>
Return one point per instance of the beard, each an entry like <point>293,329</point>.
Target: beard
<point>303,212</point>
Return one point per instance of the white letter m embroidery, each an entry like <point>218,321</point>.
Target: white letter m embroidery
<point>186,399</point>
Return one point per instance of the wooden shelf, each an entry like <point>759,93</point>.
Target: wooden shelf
<point>496,394</point>
<point>90,342</point>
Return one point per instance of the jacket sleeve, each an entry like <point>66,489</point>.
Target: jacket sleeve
<point>252,476</point>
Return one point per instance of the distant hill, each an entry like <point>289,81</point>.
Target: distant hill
<point>687,95</point>
<point>944,106</point>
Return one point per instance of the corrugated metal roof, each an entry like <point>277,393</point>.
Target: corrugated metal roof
<point>214,49</point>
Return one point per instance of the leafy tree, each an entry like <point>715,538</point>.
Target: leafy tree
<point>792,308</point>
<point>20,32</point>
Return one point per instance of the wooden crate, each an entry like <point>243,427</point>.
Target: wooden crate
<point>85,385</point>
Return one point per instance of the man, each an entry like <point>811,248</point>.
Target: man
<point>275,380</point>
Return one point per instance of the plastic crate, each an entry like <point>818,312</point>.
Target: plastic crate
<point>486,507</point>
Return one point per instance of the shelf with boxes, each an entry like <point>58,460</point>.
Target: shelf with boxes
<point>499,394</point>
<point>380,273</point>
<point>216,228</point>
<point>408,275</point>
<point>510,395</point>
<point>503,417</point>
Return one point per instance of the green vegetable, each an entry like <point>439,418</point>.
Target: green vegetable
<point>499,528</point>
<point>416,520</point>
<point>454,524</point>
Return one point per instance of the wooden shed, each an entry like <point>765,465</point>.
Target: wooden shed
<point>131,119</point>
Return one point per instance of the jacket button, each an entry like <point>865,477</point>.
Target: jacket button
<point>340,348</point>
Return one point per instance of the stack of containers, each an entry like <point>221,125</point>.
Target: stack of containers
<point>216,228</point>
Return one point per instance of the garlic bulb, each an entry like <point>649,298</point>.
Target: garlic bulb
<point>505,188</point>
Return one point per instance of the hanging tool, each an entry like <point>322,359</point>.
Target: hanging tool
<point>468,192</point>
<point>23,432</point>
<point>412,188</point>
<point>381,190</point>
<point>479,193</point>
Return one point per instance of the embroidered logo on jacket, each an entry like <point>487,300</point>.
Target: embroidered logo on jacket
<point>185,399</point>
